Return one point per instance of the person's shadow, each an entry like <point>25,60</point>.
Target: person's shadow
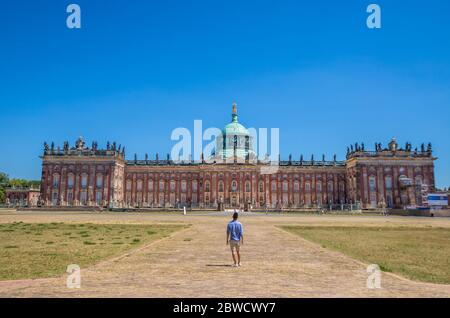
<point>218,265</point>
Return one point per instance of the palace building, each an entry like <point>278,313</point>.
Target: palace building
<point>234,177</point>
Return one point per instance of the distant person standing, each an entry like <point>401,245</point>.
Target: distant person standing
<point>235,236</point>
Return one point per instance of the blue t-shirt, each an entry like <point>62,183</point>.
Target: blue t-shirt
<point>235,230</point>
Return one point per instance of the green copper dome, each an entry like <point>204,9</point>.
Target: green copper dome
<point>235,141</point>
<point>234,128</point>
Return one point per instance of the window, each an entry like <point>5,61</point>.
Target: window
<point>70,198</point>
<point>307,187</point>
<point>296,186</point>
<point>83,197</point>
<point>419,180</point>
<point>56,181</point>
<point>128,186</point>
<point>183,185</point>
<point>161,185</point>
<point>139,185</point>
<point>388,182</point>
<point>330,187</point>
<point>172,185</point>
<point>84,181</point>
<point>274,186</point>
<point>247,186</point>
<point>220,186</point>
<point>319,186</point>
<point>285,186</point>
<point>98,198</point>
<point>372,184</point>
<point>70,181</point>
<point>207,186</point>
<point>194,186</point>
<point>55,198</point>
<point>150,185</point>
<point>261,186</point>
<point>233,186</point>
<point>99,182</point>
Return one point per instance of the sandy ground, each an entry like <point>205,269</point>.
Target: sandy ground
<point>195,262</point>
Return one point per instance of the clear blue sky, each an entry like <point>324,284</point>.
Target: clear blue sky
<point>138,69</point>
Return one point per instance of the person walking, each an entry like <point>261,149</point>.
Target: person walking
<point>235,237</point>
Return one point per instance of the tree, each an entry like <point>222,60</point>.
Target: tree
<point>4,181</point>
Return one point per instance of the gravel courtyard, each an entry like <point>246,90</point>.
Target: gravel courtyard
<point>195,262</point>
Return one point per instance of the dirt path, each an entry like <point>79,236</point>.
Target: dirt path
<point>195,263</point>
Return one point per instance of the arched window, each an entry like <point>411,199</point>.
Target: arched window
<point>372,184</point>
<point>99,181</point>
<point>161,185</point>
<point>285,186</point>
<point>70,181</point>
<point>247,186</point>
<point>172,185</point>
<point>307,187</point>
<point>194,185</point>
<point>330,187</point>
<point>150,185</point>
<point>220,186</point>
<point>274,186</point>
<point>419,180</point>
<point>128,186</point>
<point>206,186</point>
<point>233,185</point>
<point>319,186</point>
<point>56,180</point>
<point>84,178</point>
<point>261,186</point>
<point>183,185</point>
<point>139,185</point>
<point>388,183</point>
<point>296,186</point>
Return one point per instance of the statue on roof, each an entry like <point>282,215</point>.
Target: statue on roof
<point>79,144</point>
<point>393,145</point>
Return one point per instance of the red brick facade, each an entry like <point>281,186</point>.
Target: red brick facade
<point>82,176</point>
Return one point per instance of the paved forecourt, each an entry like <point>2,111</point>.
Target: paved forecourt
<point>195,262</point>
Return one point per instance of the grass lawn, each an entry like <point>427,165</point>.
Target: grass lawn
<point>37,250</point>
<point>421,254</point>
